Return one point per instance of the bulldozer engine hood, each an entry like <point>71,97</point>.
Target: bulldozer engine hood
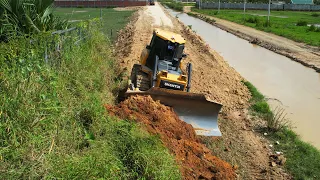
<point>170,36</point>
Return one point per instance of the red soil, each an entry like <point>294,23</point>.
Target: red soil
<point>196,161</point>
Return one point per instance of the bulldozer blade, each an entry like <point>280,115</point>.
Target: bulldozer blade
<point>192,108</point>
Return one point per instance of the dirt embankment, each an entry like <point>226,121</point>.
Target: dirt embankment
<point>194,159</point>
<point>239,145</point>
<point>308,56</point>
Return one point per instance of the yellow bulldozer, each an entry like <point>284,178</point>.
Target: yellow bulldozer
<point>160,75</point>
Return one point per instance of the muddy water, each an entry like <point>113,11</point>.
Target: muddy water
<point>296,87</point>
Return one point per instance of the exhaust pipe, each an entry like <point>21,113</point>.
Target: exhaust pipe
<point>155,68</point>
<point>189,66</point>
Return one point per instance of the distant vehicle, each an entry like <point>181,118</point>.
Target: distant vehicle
<point>151,2</point>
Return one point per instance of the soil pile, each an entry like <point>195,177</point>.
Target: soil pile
<point>195,160</point>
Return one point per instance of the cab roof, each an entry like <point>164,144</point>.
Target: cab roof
<point>170,36</point>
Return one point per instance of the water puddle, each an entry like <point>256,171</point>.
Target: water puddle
<point>288,83</point>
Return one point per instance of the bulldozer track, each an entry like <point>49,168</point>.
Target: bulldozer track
<point>139,78</point>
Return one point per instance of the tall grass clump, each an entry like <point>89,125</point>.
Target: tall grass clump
<point>277,120</point>
<point>254,20</point>
<point>302,23</point>
<point>52,121</point>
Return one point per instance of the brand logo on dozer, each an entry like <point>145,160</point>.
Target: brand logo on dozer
<point>172,85</point>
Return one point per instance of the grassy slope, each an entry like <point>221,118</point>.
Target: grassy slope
<point>53,123</point>
<point>285,27</point>
<point>303,160</point>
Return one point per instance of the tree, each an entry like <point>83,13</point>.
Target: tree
<point>20,17</point>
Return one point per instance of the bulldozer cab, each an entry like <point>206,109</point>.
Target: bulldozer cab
<point>168,48</point>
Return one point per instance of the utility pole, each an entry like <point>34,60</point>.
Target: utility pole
<point>219,7</point>
<point>244,10</point>
<point>269,12</point>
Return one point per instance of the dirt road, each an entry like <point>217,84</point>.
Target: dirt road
<point>239,145</point>
<point>300,52</point>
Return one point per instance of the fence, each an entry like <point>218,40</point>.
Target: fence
<point>64,41</point>
<point>101,3</point>
<point>252,6</point>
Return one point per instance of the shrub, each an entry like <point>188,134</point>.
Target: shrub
<point>267,23</point>
<point>252,20</point>
<point>302,23</point>
<point>313,28</point>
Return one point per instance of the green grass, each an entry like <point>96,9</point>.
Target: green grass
<point>303,159</point>
<point>259,105</point>
<point>112,20</point>
<point>285,26</point>
<point>174,5</point>
<point>52,121</point>
<point>189,4</point>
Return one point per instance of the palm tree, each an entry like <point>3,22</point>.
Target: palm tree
<point>27,17</point>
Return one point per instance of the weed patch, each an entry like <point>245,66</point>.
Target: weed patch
<point>302,23</point>
<point>252,20</point>
<point>277,120</point>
